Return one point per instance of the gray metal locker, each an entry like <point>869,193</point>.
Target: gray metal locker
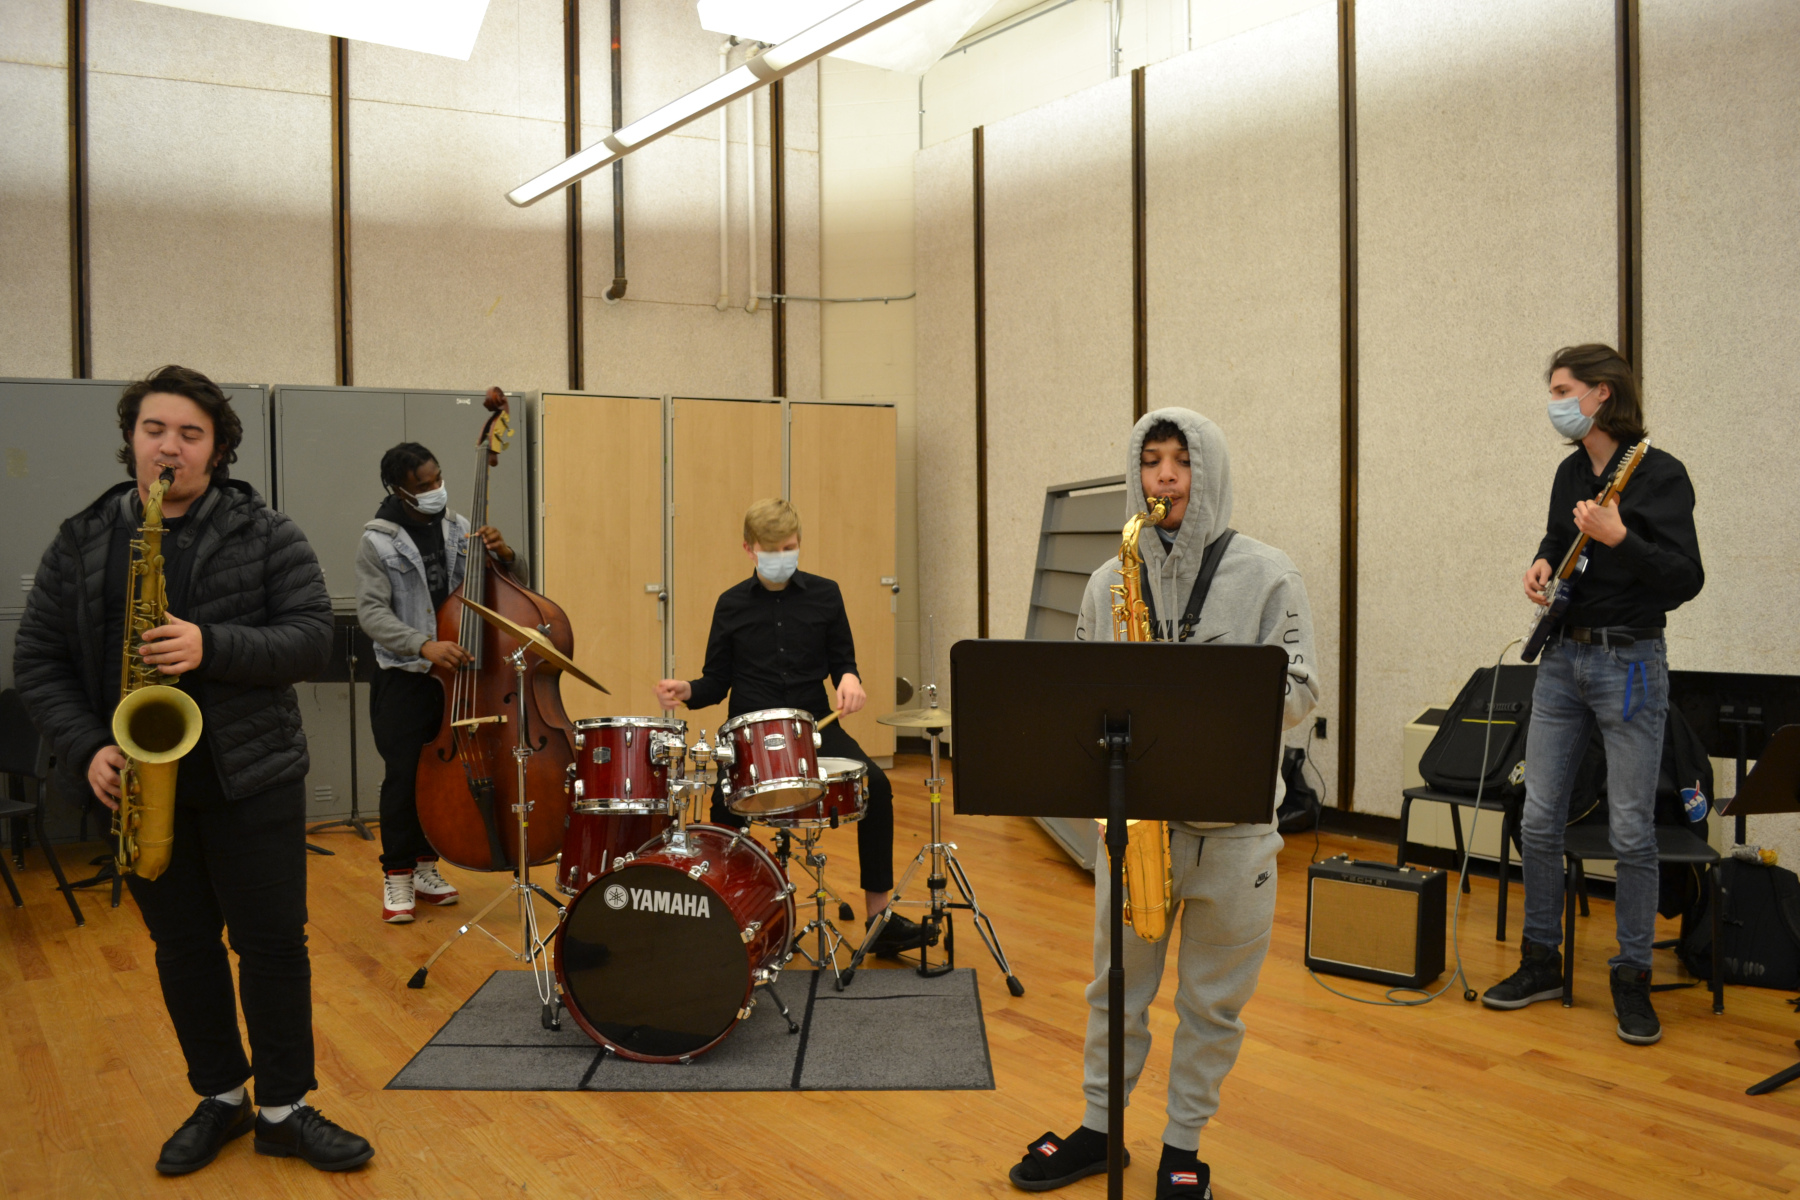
<point>329,442</point>
<point>59,450</point>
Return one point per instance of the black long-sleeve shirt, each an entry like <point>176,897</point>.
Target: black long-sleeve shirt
<point>773,649</point>
<point>1655,569</point>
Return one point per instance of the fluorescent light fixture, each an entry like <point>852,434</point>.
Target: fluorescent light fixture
<point>805,46</point>
<point>446,27</point>
<point>909,45</point>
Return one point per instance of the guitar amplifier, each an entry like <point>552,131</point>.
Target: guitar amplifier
<point>1375,921</point>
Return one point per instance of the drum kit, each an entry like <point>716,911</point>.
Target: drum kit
<point>672,926</point>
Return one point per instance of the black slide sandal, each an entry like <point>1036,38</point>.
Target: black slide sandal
<point>1048,1164</point>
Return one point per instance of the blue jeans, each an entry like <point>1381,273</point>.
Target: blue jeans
<point>1578,685</point>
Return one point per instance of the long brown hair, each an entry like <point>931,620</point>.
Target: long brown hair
<point>1594,363</point>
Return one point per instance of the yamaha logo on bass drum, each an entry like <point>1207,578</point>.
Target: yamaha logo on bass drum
<point>678,904</point>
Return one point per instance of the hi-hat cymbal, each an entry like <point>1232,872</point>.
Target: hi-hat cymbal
<point>918,718</point>
<point>531,637</point>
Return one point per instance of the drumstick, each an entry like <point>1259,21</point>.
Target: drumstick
<point>828,720</point>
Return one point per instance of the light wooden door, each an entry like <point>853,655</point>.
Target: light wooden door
<point>841,467</point>
<point>727,456</point>
<point>603,531</point>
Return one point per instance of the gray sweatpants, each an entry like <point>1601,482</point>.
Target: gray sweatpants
<point>1226,887</point>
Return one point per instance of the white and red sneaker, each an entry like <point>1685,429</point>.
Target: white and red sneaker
<point>430,887</point>
<point>397,898</point>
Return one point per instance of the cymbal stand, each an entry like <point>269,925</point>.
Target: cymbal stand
<point>533,948</point>
<point>945,869</point>
<point>829,937</point>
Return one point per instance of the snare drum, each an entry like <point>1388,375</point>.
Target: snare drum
<point>658,959</point>
<point>846,798</point>
<point>596,841</point>
<point>622,763</point>
<point>766,761</point>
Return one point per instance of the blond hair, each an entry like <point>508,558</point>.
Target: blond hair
<point>770,522</point>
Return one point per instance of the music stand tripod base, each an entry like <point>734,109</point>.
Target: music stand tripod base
<point>945,868</point>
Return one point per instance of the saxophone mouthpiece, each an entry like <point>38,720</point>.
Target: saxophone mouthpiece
<point>167,475</point>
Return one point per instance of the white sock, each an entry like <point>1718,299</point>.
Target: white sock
<point>234,1097</point>
<point>275,1114</point>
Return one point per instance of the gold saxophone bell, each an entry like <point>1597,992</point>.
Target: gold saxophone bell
<point>155,726</point>
<point>1149,879</point>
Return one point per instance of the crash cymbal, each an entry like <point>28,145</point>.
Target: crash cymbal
<point>918,718</point>
<point>531,637</point>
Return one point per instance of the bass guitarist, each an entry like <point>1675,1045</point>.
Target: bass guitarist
<point>1605,664</point>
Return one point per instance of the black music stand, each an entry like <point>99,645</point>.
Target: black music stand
<point>1735,714</point>
<point>1772,788</point>
<point>1131,730</point>
<point>350,670</point>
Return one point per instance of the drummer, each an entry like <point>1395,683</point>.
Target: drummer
<point>775,637</point>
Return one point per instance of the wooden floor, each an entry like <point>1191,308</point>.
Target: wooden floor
<point>1329,1098</point>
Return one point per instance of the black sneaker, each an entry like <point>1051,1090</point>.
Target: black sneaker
<point>1631,1004</point>
<point>1539,977</point>
<point>900,934</point>
<point>307,1134</point>
<point>1182,1176</point>
<point>204,1134</point>
<point>1052,1162</point>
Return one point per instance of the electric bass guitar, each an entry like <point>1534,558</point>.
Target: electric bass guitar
<point>1576,560</point>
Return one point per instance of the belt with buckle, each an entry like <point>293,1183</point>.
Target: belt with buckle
<point>1610,635</point>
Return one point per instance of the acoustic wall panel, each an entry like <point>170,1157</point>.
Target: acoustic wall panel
<point>1721,259</point>
<point>210,160</point>
<point>451,282</point>
<point>1242,175</point>
<point>944,270</point>
<point>35,329</point>
<point>1488,238</point>
<point>1059,331</point>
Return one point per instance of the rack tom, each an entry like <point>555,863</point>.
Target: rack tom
<point>846,798</point>
<point>622,763</point>
<point>767,761</point>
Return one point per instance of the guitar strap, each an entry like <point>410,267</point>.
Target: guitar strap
<point>1209,566</point>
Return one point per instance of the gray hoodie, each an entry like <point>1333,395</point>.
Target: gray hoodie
<point>1257,595</point>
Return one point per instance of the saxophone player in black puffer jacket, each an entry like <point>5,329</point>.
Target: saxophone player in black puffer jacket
<point>247,618</point>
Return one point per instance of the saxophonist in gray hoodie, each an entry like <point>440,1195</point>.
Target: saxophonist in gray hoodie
<point>1224,875</point>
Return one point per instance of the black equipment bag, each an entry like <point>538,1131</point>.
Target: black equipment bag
<point>1452,763</point>
<point>1759,928</point>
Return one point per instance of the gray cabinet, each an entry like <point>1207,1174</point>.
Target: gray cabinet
<point>329,442</point>
<point>59,451</point>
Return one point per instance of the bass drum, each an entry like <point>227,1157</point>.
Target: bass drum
<point>596,839</point>
<point>657,959</point>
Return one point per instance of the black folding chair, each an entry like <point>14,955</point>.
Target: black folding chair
<point>25,761</point>
<point>1509,834</point>
<point>1582,843</point>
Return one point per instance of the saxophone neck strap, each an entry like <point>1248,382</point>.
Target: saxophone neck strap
<point>1190,617</point>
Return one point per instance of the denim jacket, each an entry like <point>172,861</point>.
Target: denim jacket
<point>393,600</point>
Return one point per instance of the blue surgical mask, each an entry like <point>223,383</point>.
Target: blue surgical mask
<point>430,503</point>
<point>1567,417</point>
<point>777,566</point>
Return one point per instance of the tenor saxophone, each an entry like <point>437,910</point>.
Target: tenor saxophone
<point>154,724</point>
<point>1149,881</point>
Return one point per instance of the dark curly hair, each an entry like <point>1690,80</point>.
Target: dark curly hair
<point>1162,431</point>
<point>228,431</point>
<point>403,460</point>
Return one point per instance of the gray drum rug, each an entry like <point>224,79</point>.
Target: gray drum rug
<point>889,1031</point>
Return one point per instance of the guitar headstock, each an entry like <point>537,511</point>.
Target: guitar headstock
<point>497,433</point>
<point>1628,464</point>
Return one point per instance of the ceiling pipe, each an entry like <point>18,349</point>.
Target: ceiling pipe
<point>616,292</point>
<point>724,301</point>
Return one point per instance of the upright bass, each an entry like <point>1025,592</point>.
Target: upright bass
<point>468,781</point>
